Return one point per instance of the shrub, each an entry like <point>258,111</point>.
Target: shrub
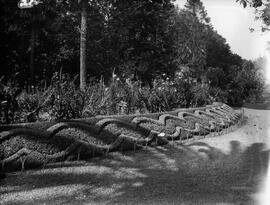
<point>67,101</point>
<point>201,95</point>
<point>8,103</point>
<point>218,95</point>
<point>64,100</point>
<point>96,100</point>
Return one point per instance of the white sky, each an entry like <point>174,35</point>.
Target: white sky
<point>232,21</point>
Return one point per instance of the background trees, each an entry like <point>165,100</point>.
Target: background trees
<point>126,42</point>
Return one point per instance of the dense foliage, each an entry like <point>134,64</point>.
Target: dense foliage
<point>142,56</point>
<point>262,11</point>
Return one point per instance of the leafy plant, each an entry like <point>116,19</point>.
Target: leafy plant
<point>67,100</point>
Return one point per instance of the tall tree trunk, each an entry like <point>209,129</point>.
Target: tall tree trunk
<point>32,54</point>
<point>83,45</point>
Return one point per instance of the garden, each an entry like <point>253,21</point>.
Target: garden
<point>120,102</point>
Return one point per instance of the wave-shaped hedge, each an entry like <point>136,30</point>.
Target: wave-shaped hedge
<point>35,144</point>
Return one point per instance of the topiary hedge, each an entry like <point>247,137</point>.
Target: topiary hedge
<point>29,145</point>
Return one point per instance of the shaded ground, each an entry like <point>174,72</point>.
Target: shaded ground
<point>219,170</point>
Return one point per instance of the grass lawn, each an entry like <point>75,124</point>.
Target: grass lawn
<point>228,169</point>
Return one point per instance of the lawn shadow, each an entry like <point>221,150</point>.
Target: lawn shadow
<point>163,175</point>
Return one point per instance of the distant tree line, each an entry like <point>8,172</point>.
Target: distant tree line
<point>137,40</point>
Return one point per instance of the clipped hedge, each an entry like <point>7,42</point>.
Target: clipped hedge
<point>29,145</point>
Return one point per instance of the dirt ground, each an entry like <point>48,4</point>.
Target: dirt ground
<point>228,169</point>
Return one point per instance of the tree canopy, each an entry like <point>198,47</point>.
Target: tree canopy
<point>140,40</point>
<point>262,8</point>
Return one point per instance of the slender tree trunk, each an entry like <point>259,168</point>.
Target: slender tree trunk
<point>83,45</point>
<point>32,54</point>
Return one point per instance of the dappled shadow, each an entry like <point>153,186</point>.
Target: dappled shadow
<point>256,161</point>
<point>190,174</point>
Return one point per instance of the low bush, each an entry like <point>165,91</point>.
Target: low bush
<point>63,99</point>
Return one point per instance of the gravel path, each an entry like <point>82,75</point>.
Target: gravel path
<point>228,169</point>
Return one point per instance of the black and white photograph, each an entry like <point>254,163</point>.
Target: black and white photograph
<point>134,102</point>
